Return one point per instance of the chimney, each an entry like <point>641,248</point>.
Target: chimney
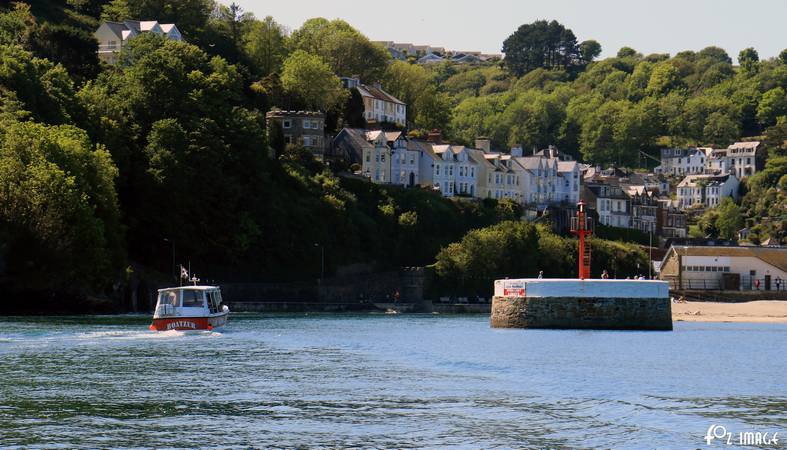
<point>483,143</point>
<point>435,136</point>
<point>516,151</point>
<point>535,150</point>
<point>552,151</point>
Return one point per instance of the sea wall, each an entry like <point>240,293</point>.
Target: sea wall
<point>582,304</point>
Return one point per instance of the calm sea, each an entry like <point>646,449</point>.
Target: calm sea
<point>382,381</point>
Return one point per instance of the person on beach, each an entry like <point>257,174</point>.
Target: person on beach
<point>605,275</point>
<point>540,274</point>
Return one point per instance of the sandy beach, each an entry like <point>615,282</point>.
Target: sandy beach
<point>759,311</point>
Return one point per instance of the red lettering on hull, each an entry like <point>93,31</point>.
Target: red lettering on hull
<point>188,323</point>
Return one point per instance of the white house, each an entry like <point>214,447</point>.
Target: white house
<point>454,172</point>
<point>610,202</point>
<point>113,36</point>
<point>742,158</point>
<point>568,181</point>
<point>379,106</point>
<point>706,267</point>
<point>376,165</point>
<point>706,190</point>
<point>682,161</point>
<point>405,159</point>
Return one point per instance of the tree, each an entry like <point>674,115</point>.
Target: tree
<point>729,219</point>
<point>60,214</point>
<point>589,50</point>
<point>663,79</point>
<point>748,59</point>
<point>310,79</point>
<point>17,25</point>
<point>716,54</point>
<point>541,44</point>
<point>264,45</point>
<point>342,47</point>
<point>783,56</point>
<point>720,129</point>
<point>628,52</point>
<point>772,106</point>
<point>354,110</point>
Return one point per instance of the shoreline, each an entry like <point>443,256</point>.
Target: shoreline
<point>761,311</point>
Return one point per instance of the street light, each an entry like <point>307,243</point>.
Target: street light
<point>322,261</point>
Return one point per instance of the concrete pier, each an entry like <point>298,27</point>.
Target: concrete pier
<point>583,304</point>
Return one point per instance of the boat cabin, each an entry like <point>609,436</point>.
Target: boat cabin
<point>189,301</point>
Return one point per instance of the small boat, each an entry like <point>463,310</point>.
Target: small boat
<point>189,308</point>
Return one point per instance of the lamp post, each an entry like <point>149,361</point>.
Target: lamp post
<point>322,261</point>
<point>174,269</point>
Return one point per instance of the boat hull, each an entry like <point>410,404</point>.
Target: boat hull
<point>188,323</point>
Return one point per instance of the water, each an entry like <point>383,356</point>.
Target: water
<point>383,381</point>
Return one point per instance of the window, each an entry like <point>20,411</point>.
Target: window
<point>192,299</point>
<point>726,268</point>
<point>472,171</point>
<point>382,157</point>
<point>437,169</point>
<point>307,124</point>
<point>287,123</point>
<point>368,157</point>
<point>168,298</point>
<point>288,139</point>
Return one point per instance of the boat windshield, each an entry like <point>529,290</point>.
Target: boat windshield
<point>168,298</point>
<point>193,299</point>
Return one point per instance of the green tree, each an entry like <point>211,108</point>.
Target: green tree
<point>342,47</point>
<point>589,50</point>
<point>264,44</point>
<point>354,110</point>
<point>663,79</point>
<point>541,44</point>
<point>628,52</point>
<point>783,56</point>
<point>17,25</point>
<point>748,59</point>
<point>311,80</point>
<point>60,212</point>
<point>772,106</point>
<point>720,130</point>
<point>729,219</point>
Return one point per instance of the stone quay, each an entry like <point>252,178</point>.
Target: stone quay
<point>582,304</point>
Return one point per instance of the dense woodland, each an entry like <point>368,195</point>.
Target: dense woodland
<point>106,170</point>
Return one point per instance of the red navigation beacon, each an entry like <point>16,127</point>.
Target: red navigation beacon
<point>582,226</point>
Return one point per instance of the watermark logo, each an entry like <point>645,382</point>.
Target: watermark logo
<point>741,438</point>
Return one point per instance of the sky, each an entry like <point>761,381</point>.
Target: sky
<point>652,26</point>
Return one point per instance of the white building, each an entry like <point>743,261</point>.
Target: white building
<point>376,164</point>
<point>610,202</point>
<point>379,106</point>
<point>706,190</point>
<point>568,181</point>
<point>742,158</point>
<point>706,267</point>
<point>682,161</point>
<point>454,172</point>
<point>113,36</point>
<point>405,160</point>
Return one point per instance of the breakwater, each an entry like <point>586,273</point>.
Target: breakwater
<point>590,304</point>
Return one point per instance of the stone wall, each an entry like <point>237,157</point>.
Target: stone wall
<point>618,313</point>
